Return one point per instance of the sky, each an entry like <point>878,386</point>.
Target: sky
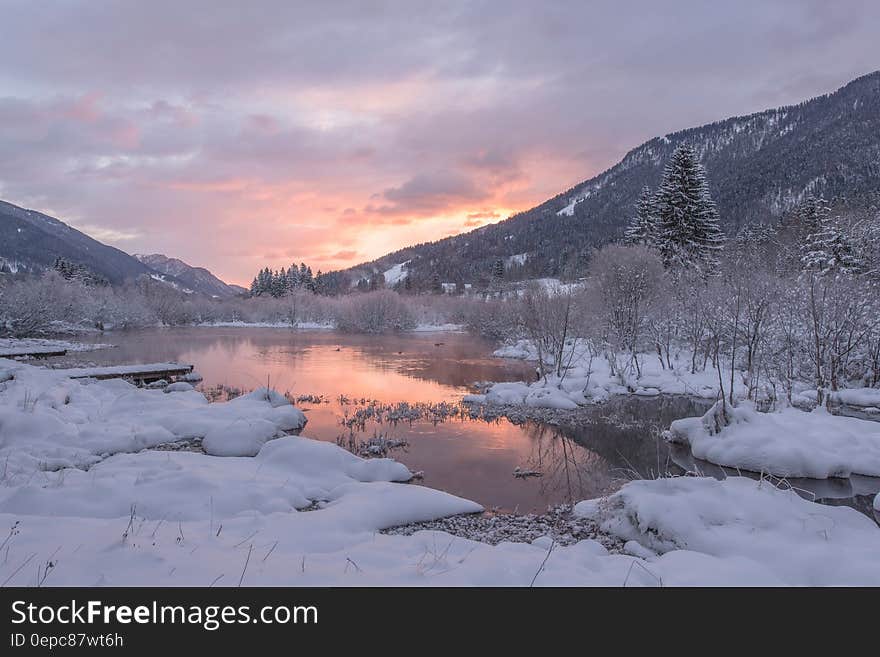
<point>238,135</point>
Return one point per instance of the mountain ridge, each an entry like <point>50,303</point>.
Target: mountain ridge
<point>759,166</point>
<point>199,279</point>
<point>30,241</point>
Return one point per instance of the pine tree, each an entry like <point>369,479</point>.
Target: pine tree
<point>688,232</point>
<point>812,213</point>
<point>643,227</point>
<point>827,249</point>
<point>498,269</point>
<point>293,277</point>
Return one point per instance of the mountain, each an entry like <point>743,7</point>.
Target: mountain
<point>31,241</point>
<point>758,166</point>
<point>197,279</point>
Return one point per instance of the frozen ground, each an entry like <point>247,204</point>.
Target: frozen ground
<point>85,501</point>
<point>785,443</point>
<point>23,344</point>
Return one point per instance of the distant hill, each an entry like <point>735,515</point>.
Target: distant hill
<point>197,279</point>
<point>759,167</point>
<point>31,241</point>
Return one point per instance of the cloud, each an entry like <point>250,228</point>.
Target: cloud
<point>108,235</point>
<point>331,133</point>
<point>428,193</point>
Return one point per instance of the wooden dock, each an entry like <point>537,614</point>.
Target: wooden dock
<point>145,373</point>
<point>32,352</point>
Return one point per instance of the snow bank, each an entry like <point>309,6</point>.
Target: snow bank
<point>740,531</point>
<point>180,386</point>
<point>83,493</point>
<point>858,396</point>
<point>305,326</point>
<point>591,380</point>
<point>24,344</point>
<point>786,443</point>
<point>439,328</point>
<point>49,421</point>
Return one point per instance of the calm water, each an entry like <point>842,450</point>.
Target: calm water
<point>472,458</point>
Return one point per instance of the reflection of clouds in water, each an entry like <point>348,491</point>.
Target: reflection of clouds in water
<point>471,458</point>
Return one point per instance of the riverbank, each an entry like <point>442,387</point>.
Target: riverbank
<point>85,492</point>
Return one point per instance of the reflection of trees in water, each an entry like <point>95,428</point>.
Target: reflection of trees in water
<point>566,467</point>
<point>608,445</point>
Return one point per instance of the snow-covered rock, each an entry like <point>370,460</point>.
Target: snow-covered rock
<point>242,438</point>
<point>785,443</point>
<point>179,386</point>
<point>740,532</point>
<point>858,396</point>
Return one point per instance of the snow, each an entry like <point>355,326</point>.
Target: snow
<point>120,370</point>
<point>83,489</point>
<point>39,344</point>
<point>740,532</point>
<point>518,393</point>
<point>857,396</point>
<point>243,438</point>
<point>785,443</point>
<point>306,326</point>
<point>326,326</point>
<point>49,421</point>
<point>517,259</point>
<point>395,274</point>
<point>568,210</point>
<point>591,381</point>
<point>439,328</point>
<point>180,386</point>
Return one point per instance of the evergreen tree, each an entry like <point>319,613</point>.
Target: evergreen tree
<point>498,270</point>
<point>293,277</point>
<point>827,249</point>
<point>688,230</point>
<point>812,214</point>
<point>643,227</point>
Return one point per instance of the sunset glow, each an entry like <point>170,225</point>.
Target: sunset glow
<point>286,134</point>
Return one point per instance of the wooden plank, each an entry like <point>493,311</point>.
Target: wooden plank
<point>144,372</point>
<point>35,352</point>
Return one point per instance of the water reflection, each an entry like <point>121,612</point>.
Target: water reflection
<point>612,444</point>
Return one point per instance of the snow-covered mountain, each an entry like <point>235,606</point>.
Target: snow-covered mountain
<point>197,279</point>
<point>31,241</point>
<point>759,167</point>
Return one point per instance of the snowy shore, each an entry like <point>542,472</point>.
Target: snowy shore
<point>591,380</point>
<point>327,326</point>
<point>83,492</point>
<point>38,344</point>
<point>785,443</point>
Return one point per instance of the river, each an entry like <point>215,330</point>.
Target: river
<point>611,444</point>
